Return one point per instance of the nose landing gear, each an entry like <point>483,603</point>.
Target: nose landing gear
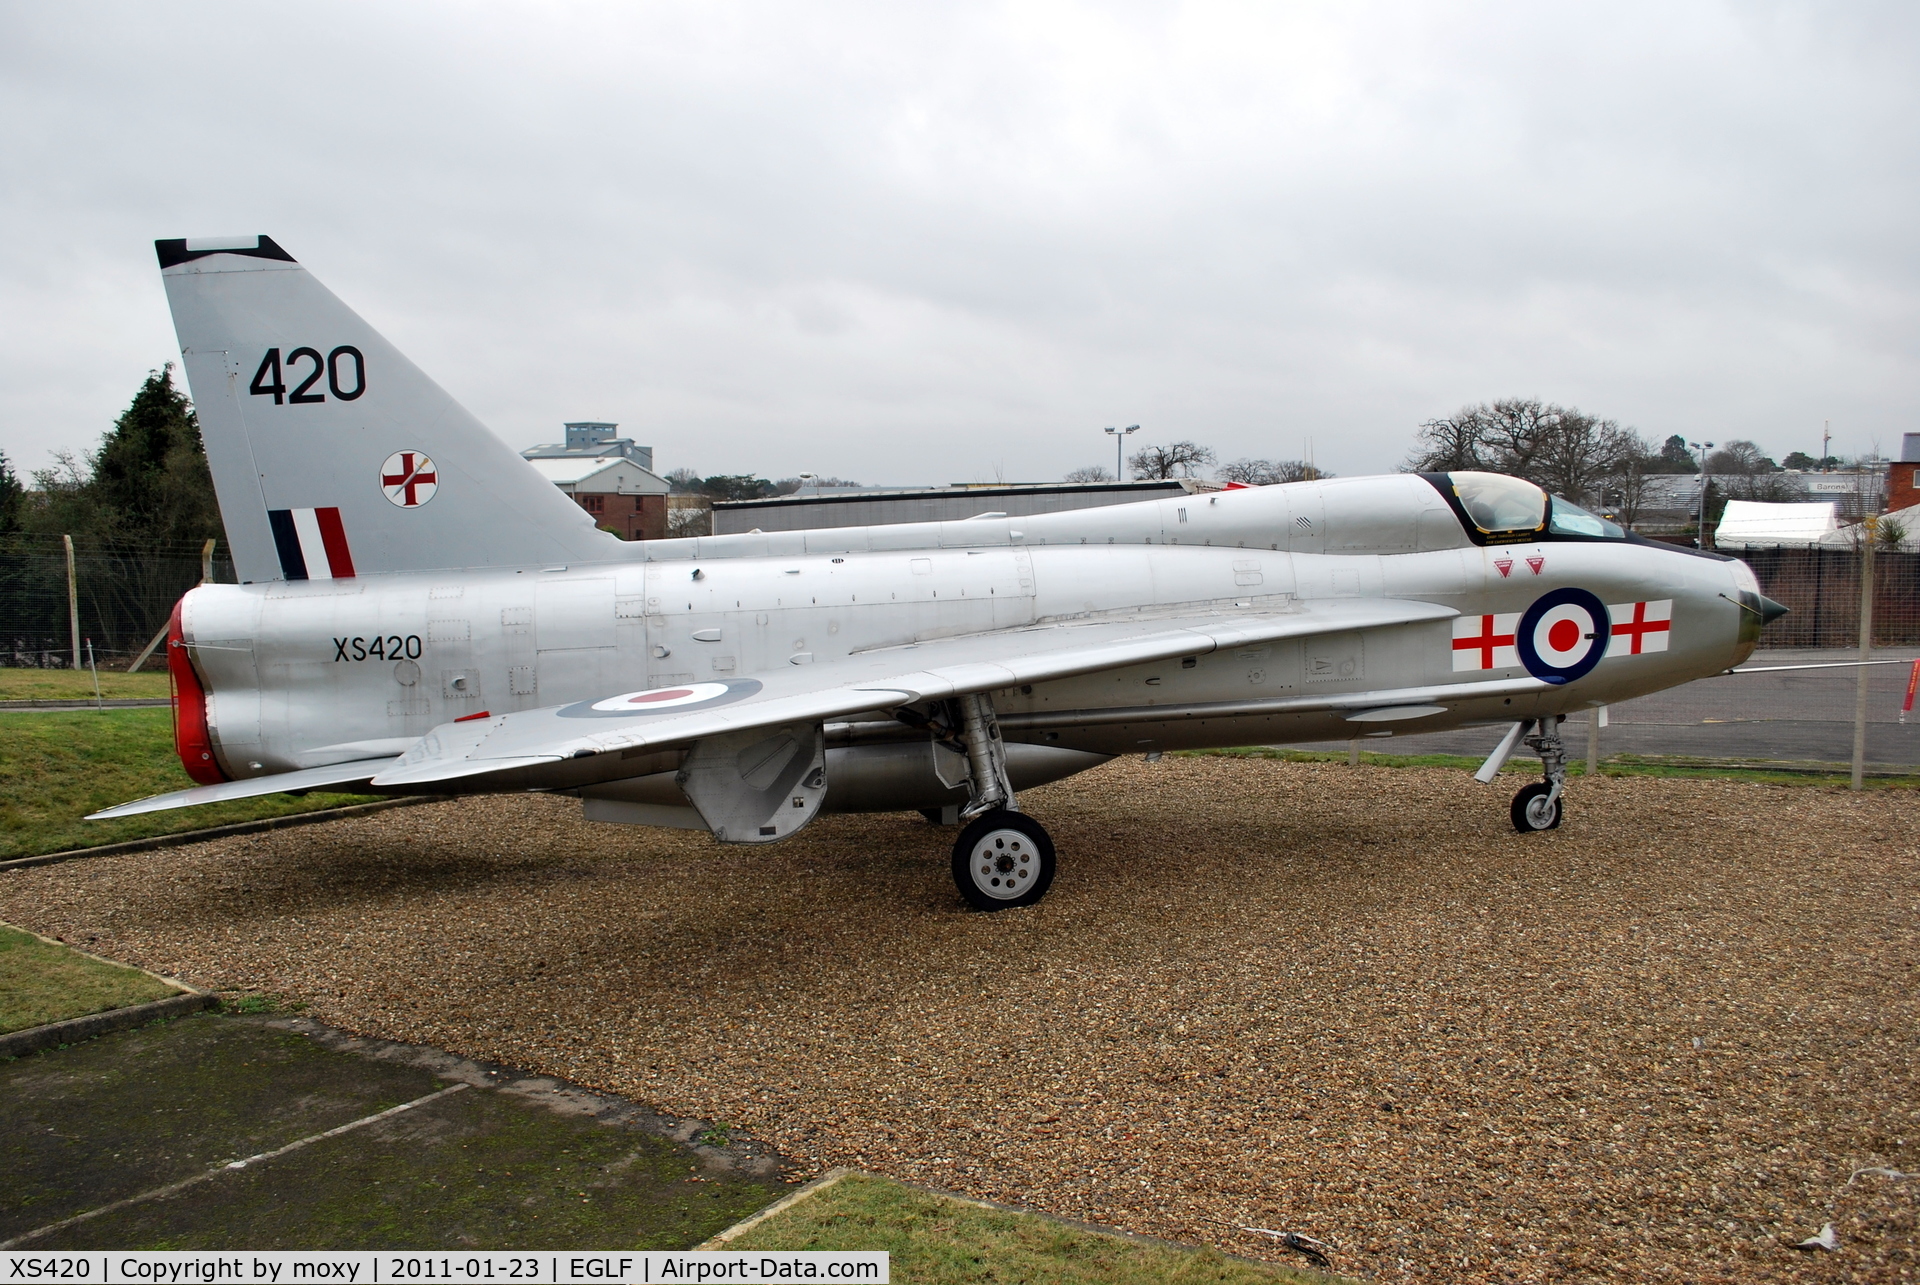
<point>1538,806</point>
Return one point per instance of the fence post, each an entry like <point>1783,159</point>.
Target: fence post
<point>1819,588</point>
<point>1872,527</point>
<point>73,603</point>
<point>206,563</point>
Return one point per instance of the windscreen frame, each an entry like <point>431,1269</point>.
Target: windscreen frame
<point>1544,533</point>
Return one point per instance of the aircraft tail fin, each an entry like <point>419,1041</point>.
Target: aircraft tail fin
<point>332,454</point>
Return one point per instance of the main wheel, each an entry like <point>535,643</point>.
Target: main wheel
<point>1532,811</point>
<point>1003,859</point>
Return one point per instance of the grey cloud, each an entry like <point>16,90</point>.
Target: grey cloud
<point>902,243</point>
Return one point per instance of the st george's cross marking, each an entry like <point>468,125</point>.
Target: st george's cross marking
<point>408,479</point>
<point>1485,641</point>
<point>1640,627</point>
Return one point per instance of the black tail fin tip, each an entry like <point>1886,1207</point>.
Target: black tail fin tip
<point>186,249</point>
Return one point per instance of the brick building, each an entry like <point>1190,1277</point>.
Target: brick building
<point>1903,477</point>
<point>608,476</point>
<point>622,497</point>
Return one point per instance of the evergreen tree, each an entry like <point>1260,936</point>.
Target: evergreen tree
<point>11,497</point>
<point>150,476</point>
<point>148,483</point>
<point>1675,457</point>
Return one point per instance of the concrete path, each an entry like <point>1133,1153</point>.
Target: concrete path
<point>483,1158</point>
<point>1799,715</point>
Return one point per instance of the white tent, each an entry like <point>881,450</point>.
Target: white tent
<point>1848,537</point>
<point>1750,524</point>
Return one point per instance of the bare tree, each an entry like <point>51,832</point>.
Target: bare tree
<point>1565,450</point>
<point>1742,471</point>
<point>1176,459</point>
<point>1092,473</point>
<point>1578,456</point>
<point>1454,442</point>
<point>1517,432</point>
<point>690,519</point>
<point>1250,472</point>
<point>1623,493</point>
<point>1299,471</point>
<point>1740,457</point>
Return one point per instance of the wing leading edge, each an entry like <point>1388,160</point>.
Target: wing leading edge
<point>873,680</point>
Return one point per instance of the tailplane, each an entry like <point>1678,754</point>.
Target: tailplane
<point>333,455</point>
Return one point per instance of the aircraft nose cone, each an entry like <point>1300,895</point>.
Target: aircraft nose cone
<point>1770,610</point>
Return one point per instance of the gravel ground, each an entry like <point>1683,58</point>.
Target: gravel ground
<point>1654,1045</point>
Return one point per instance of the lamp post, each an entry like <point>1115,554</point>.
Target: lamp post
<point>1700,530</point>
<point>1119,437</point>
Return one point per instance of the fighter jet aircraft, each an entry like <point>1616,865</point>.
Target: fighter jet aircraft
<point>420,611</point>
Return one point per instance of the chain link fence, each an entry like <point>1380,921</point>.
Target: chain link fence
<point>124,592</point>
<point>1797,720</point>
<point>1821,587</point>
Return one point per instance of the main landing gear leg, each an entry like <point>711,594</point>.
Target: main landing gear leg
<point>1003,858</point>
<point>1538,806</point>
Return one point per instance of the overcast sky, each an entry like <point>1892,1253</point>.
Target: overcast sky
<point>914,243</point>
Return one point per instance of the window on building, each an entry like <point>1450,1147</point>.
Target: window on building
<point>594,503</point>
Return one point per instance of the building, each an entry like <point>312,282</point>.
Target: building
<point>1669,502</point>
<point>811,508</point>
<point>609,477</point>
<point>591,439</point>
<point>1903,476</point>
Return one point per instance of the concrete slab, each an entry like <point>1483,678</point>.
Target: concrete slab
<point>523,1162</point>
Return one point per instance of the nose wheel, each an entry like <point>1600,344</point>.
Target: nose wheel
<point>1003,859</point>
<point>1537,807</point>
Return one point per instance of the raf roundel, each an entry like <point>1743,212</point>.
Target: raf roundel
<point>665,700</point>
<point>1563,635</point>
<point>662,698</point>
<point>409,479</point>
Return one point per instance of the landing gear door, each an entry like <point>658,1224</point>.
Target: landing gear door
<point>759,785</point>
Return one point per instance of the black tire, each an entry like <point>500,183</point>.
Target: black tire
<point>1002,860</point>
<point>1530,808</point>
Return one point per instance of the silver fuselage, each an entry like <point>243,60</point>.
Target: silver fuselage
<point>303,674</point>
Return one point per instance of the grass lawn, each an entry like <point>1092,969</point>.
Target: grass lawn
<point>41,982</point>
<point>937,1239</point>
<point>77,684</point>
<point>56,767</point>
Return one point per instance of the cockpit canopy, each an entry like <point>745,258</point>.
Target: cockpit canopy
<point>1510,508</point>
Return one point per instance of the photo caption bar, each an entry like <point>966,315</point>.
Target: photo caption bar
<point>396,1267</point>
